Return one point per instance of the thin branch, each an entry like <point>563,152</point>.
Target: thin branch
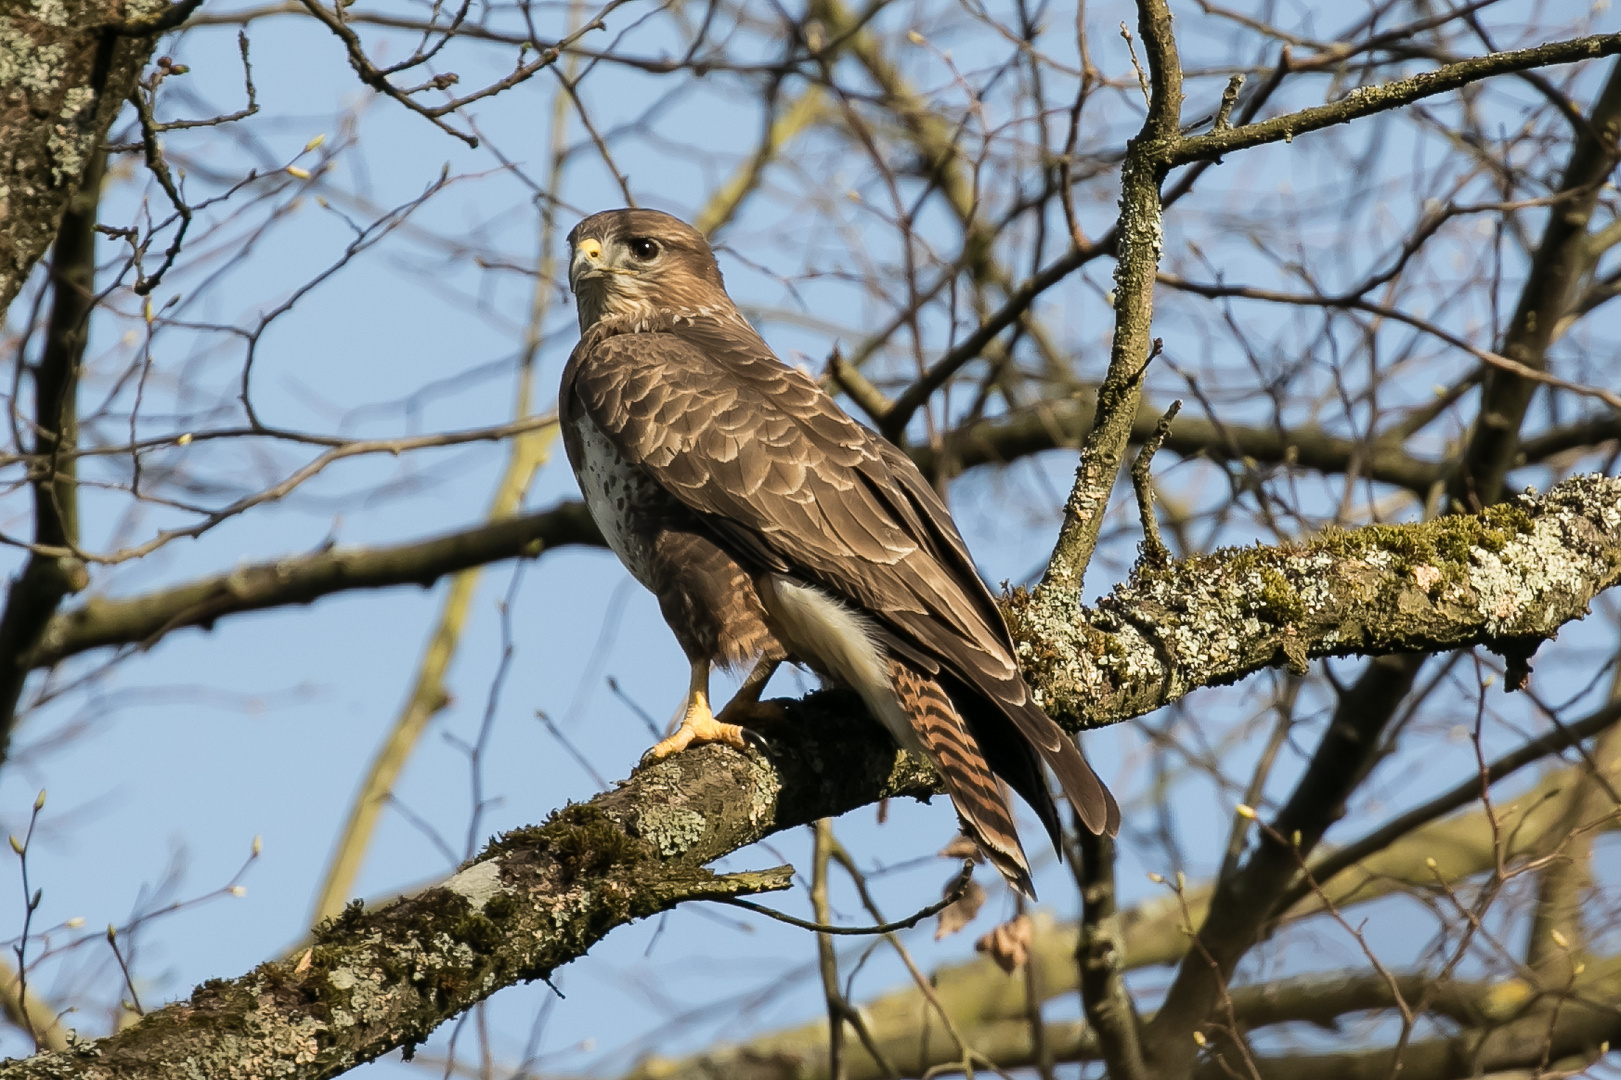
<point>143,620</point>
<point>953,894</point>
<point>1143,484</point>
<point>1368,100</point>
<point>1462,794</point>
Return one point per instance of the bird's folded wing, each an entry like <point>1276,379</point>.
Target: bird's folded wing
<point>758,449</point>
<point>779,471</point>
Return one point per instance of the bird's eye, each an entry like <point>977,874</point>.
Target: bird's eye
<point>643,249</point>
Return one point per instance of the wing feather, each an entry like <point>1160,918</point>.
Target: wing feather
<point>778,469</point>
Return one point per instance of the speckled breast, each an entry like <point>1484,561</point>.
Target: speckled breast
<point>625,503</point>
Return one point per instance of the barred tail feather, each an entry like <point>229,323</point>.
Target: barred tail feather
<point>978,797</point>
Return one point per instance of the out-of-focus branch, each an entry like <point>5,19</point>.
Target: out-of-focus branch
<point>1580,1029</point>
<point>1327,866</point>
<point>428,694</point>
<point>142,620</point>
<point>1556,266</point>
<point>46,580</point>
<point>1243,899</point>
<point>1100,960</point>
<point>525,455</point>
<point>1052,424</point>
<point>827,961</point>
<point>38,1018</point>
<point>936,140</point>
<point>800,113</point>
<point>1561,931</point>
<point>1575,436</point>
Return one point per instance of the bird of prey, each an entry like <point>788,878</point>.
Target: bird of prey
<point>771,526</point>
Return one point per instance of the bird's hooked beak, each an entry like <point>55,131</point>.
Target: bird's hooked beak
<point>588,264</point>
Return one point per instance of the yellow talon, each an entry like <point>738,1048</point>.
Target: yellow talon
<point>698,724</point>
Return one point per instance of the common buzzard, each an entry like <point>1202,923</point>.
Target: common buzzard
<point>771,526</point>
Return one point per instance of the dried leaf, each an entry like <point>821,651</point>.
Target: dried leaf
<point>1008,944</point>
<point>962,848</point>
<point>962,912</point>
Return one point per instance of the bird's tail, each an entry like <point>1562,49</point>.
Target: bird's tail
<point>979,798</point>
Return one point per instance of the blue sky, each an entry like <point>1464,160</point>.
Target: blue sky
<point>263,726</point>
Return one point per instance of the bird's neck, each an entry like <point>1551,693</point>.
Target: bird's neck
<point>614,315</point>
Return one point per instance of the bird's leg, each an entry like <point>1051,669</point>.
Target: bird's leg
<point>745,704</point>
<point>698,724</point>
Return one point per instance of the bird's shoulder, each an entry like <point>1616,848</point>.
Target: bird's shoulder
<point>705,383</point>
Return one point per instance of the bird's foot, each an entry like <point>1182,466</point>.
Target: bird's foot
<point>748,712</point>
<point>697,726</point>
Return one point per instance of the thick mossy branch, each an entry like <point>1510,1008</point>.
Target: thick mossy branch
<point>1506,579</point>
<point>980,995</point>
<point>374,981</point>
<point>540,897</point>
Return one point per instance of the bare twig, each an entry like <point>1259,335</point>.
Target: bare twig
<point>953,894</point>
<point>1142,483</point>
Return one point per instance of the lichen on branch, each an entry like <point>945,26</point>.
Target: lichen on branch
<point>537,898</point>
<point>1505,579</point>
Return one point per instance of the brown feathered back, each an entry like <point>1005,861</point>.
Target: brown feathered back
<point>789,484</point>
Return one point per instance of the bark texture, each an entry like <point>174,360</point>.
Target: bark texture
<point>1505,579</point>
<point>65,70</point>
<point>979,995</point>
<point>375,981</point>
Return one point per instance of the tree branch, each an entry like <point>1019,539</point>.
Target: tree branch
<point>1556,266</point>
<point>1509,576</point>
<point>1137,253</point>
<point>541,897</point>
<point>1049,425</point>
<point>1367,100</point>
<point>976,992</point>
<point>46,580</point>
<point>142,620</point>
<point>1100,959</point>
<point>71,78</point>
<point>1581,1028</point>
<point>375,981</point>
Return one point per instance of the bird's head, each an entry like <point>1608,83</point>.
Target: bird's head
<point>637,263</point>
